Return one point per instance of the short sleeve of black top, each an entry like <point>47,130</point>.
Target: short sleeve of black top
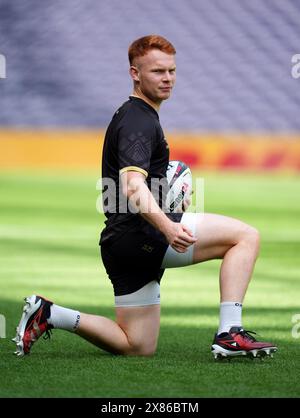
<point>134,141</point>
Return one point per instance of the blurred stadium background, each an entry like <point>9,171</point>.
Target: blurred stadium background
<point>235,107</point>
<point>236,104</point>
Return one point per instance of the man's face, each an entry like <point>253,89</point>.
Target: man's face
<point>154,75</point>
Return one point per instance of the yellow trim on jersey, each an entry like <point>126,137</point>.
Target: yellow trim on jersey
<point>134,168</point>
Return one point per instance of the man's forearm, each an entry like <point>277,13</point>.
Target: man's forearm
<point>143,201</point>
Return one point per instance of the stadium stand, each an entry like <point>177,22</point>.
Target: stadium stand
<point>67,64</point>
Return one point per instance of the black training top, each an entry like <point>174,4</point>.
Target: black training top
<point>134,141</point>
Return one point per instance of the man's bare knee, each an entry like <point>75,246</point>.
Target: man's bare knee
<point>141,326</point>
<point>144,350</point>
<point>251,238</point>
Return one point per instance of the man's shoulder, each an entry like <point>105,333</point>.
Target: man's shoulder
<point>131,113</point>
<point>136,106</point>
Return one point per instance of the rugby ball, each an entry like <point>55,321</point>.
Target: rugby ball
<point>179,179</point>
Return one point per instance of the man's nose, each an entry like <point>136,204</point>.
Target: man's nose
<point>167,76</point>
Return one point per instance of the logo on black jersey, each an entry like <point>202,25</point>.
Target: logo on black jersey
<point>147,248</point>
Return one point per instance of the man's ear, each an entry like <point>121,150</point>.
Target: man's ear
<point>134,73</point>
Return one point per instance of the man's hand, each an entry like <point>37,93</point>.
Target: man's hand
<point>179,237</point>
<point>187,201</point>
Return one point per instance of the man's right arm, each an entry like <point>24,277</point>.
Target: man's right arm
<point>140,197</point>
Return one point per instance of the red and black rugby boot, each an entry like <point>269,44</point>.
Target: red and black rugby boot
<point>33,323</point>
<point>239,342</point>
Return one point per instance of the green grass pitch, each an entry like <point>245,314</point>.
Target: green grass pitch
<point>49,230</point>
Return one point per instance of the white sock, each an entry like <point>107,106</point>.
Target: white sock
<point>63,318</point>
<point>230,316</point>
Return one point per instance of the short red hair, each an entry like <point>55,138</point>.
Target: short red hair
<point>141,46</point>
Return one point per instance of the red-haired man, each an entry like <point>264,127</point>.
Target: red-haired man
<point>137,245</point>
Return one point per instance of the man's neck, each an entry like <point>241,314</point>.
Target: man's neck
<point>140,95</point>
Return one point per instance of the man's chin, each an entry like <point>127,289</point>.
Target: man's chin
<point>165,95</point>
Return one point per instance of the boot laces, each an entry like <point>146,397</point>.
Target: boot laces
<point>247,334</point>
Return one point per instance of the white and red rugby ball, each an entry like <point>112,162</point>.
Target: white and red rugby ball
<point>179,179</point>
